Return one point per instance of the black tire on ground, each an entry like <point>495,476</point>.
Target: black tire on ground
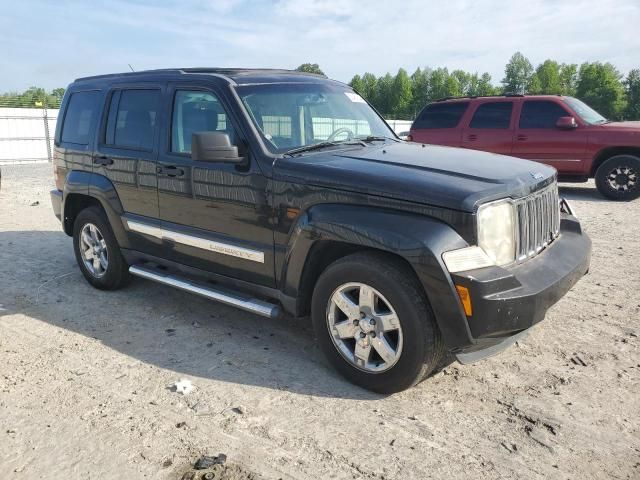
<point>624,169</point>
<point>117,271</point>
<point>422,343</point>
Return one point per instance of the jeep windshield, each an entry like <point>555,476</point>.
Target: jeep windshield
<point>301,117</point>
<point>585,112</point>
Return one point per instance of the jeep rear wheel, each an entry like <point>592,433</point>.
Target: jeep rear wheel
<point>618,178</point>
<point>374,324</point>
<point>97,251</point>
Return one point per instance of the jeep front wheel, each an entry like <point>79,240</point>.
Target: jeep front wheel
<point>374,324</point>
<point>618,178</point>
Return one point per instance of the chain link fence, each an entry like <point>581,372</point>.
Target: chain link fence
<point>27,128</point>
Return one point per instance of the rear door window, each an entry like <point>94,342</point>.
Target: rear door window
<point>493,115</point>
<point>133,119</point>
<point>80,117</point>
<point>441,115</point>
<point>541,114</point>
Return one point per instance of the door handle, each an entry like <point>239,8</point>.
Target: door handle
<point>103,160</point>
<point>170,171</point>
<point>472,138</point>
<point>522,138</point>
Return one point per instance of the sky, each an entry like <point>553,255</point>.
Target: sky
<point>48,44</point>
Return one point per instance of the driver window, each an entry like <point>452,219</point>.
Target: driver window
<point>196,111</point>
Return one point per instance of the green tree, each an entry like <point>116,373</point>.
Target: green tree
<point>517,74</point>
<point>568,79</point>
<point>442,85</point>
<point>419,90</point>
<point>382,99</point>
<point>357,84</point>
<point>548,78</point>
<point>484,86</point>
<point>464,81</point>
<point>310,68</point>
<point>632,87</point>
<point>370,86</point>
<point>401,95</point>
<point>600,86</point>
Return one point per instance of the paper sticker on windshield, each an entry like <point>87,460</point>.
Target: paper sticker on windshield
<point>354,97</point>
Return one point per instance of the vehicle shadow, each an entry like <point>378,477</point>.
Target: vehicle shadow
<point>161,326</point>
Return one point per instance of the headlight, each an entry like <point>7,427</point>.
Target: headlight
<point>496,231</point>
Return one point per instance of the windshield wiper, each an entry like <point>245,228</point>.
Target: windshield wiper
<point>318,146</point>
<point>375,138</point>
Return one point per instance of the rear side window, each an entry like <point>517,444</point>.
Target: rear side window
<point>80,117</point>
<point>441,115</point>
<point>133,117</point>
<point>496,115</point>
<point>541,114</point>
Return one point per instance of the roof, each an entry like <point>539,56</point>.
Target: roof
<point>235,75</point>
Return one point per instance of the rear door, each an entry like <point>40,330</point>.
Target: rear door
<point>537,137</point>
<point>491,127</point>
<point>438,123</point>
<point>127,154</point>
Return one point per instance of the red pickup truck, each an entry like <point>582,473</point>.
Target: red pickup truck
<point>557,130</point>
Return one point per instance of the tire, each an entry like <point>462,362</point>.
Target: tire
<point>618,178</point>
<point>92,220</point>
<point>417,344</point>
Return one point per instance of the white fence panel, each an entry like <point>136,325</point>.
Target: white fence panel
<point>24,136</point>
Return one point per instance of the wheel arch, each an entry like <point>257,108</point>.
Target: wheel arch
<point>85,189</point>
<point>608,152</point>
<point>326,233</point>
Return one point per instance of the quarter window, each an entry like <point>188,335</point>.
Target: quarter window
<point>80,116</point>
<point>441,115</point>
<point>133,117</point>
<point>541,114</point>
<point>494,115</point>
<point>193,112</point>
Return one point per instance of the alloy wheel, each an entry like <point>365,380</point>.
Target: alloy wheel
<point>364,327</point>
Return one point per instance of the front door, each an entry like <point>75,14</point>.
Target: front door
<point>215,216</point>
<point>490,128</point>
<point>537,137</point>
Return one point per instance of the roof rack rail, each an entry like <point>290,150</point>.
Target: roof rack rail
<point>443,99</point>
<point>202,70</point>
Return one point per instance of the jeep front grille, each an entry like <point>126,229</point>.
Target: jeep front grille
<point>538,220</point>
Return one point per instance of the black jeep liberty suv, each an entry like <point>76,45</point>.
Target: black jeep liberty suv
<point>273,191</point>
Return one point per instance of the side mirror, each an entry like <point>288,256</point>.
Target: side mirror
<point>566,123</point>
<point>214,147</point>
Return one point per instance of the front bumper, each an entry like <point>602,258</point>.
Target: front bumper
<point>56,203</point>
<point>508,301</point>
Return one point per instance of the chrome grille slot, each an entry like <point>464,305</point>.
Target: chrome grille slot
<point>538,221</point>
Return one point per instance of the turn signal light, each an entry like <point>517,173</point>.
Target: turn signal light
<point>465,298</point>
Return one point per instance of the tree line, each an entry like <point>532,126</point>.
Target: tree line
<point>33,97</point>
<point>598,84</point>
<point>402,96</point>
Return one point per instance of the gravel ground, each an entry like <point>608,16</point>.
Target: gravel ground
<point>84,376</point>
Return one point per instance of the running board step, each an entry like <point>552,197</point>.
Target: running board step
<point>235,299</point>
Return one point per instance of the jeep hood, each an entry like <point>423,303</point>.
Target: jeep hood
<point>453,178</point>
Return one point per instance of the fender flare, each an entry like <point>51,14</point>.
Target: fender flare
<point>101,189</point>
<point>418,239</point>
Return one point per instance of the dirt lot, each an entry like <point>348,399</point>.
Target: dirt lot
<point>84,376</point>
